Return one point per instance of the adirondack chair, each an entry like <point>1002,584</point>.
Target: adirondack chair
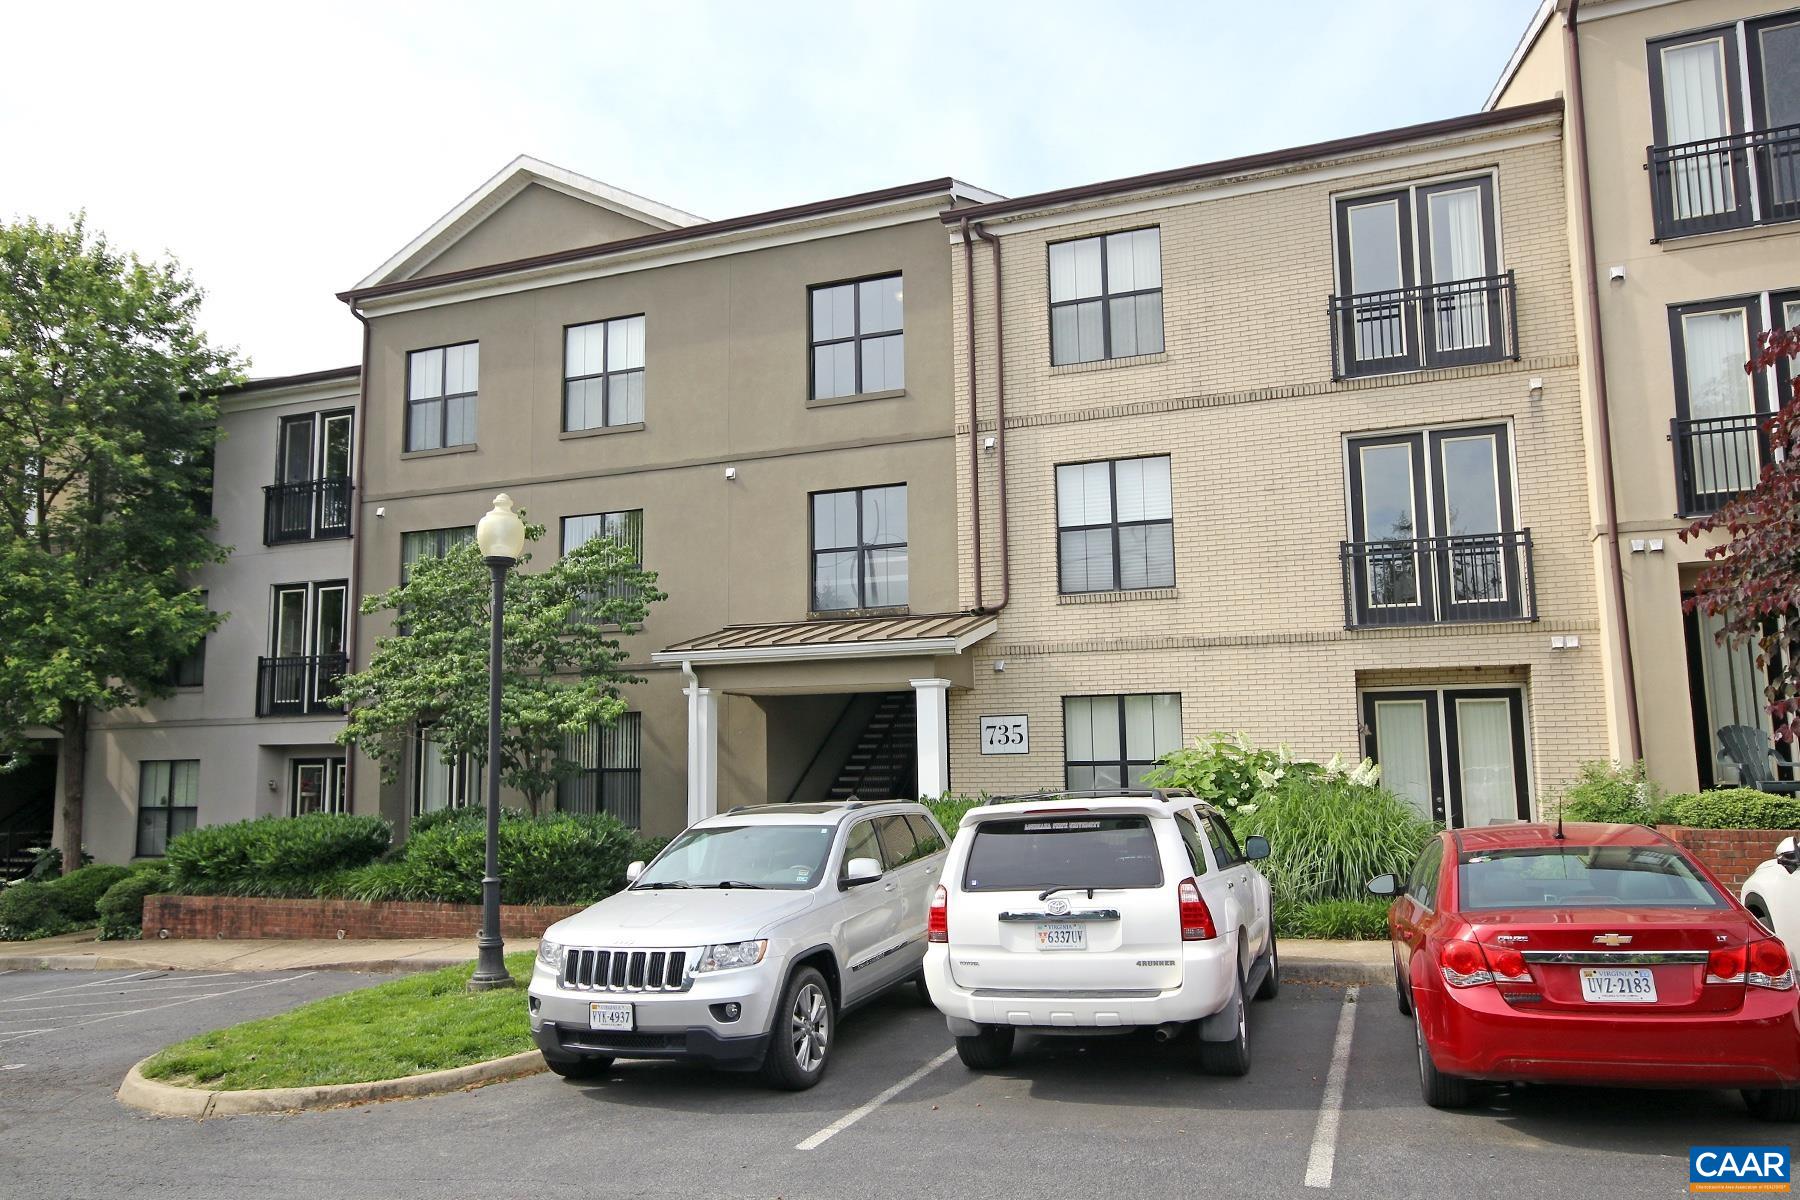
<point>1748,748</point>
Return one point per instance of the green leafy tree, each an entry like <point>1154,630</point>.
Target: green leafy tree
<point>106,427</point>
<point>561,663</point>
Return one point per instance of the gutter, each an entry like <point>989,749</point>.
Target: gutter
<point>974,436</point>
<point>1584,214</point>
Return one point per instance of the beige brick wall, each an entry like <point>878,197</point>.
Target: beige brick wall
<point>1242,401</point>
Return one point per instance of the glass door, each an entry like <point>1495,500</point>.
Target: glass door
<point>1485,752</point>
<point>317,786</point>
<point>1697,109</point>
<point>1775,104</point>
<point>328,637</point>
<point>1389,519</point>
<point>1458,257</point>
<point>1478,568</point>
<point>334,467</point>
<point>288,645</point>
<point>1718,404</point>
<point>1376,266</point>
<point>1402,734</point>
<point>294,455</point>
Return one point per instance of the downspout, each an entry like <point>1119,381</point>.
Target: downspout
<point>974,438</point>
<point>1584,213</point>
<point>354,618</point>
<point>999,424</point>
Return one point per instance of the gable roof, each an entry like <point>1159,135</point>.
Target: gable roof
<point>1533,30</point>
<point>519,174</point>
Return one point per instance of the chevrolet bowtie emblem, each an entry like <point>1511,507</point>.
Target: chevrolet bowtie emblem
<point>1612,939</point>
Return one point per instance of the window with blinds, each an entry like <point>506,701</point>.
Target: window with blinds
<point>609,774</point>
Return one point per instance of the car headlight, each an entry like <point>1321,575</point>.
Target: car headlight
<point>550,953</point>
<point>727,955</point>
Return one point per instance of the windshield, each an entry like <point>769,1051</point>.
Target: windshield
<point>1076,852</point>
<point>1582,876</point>
<point>791,857</point>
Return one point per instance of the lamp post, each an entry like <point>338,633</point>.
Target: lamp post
<point>501,536</point>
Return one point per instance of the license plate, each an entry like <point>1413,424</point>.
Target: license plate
<point>1062,937</point>
<point>609,1016</point>
<point>1618,985</point>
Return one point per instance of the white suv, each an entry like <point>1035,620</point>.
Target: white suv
<point>743,942</point>
<point>1098,912</point>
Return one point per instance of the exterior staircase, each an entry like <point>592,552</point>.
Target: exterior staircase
<point>882,762</point>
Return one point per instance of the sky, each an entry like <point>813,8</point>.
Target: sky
<point>282,152</point>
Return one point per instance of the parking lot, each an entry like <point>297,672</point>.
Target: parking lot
<point>897,1114</point>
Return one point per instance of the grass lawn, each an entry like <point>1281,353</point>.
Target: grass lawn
<point>404,1027</point>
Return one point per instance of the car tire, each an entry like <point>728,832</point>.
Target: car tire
<point>586,1066</point>
<point>1232,1058</point>
<point>1402,991</point>
<point>1774,1104</point>
<point>800,1038</point>
<point>1270,987</point>
<point>988,1050</point>
<point>1439,1090</point>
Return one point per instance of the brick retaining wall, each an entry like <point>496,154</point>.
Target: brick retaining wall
<point>252,917</point>
<point>1731,854</point>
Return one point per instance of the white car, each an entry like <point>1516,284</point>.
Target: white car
<point>1084,913</point>
<point>1772,893</point>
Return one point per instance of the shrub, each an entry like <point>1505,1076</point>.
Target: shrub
<point>1732,808</point>
<point>46,862</point>
<point>1330,832</point>
<point>32,910</point>
<point>429,820</point>
<point>1226,771</point>
<point>1611,792</point>
<point>121,908</point>
<point>274,856</point>
<point>643,849</point>
<point>949,809</point>
<point>80,891</point>
<point>1354,920</point>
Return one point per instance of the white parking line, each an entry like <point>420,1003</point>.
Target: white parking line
<point>66,1006</point>
<point>856,1114</point>
<point>71,987</point>
<point>1331,1105</point>
<point>157,1007</point>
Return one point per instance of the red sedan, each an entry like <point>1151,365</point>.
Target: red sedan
<point>1596,954</point>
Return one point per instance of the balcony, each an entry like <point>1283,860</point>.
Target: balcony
<point>1716,459</point>
<point>298,686</point>
<point>1436,581</point>
<point>1731,182</point>
<point>306,511</point>
<point>1416,328</point>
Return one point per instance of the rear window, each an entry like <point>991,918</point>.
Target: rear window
<point>1034,853</point>
<point>1582,876</point>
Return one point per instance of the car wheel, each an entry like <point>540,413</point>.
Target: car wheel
<point>1271,984</point>
<point>1774,1104</point>
<point>1230,1058</point>
<point>1440,1090</point>
<point>800,1042</point>
<point>587,1066</point>
<point>1402,991</point>
<point>985,1051</point>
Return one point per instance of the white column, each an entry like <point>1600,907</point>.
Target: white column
<point>702,752</point>
<point>933,699</point>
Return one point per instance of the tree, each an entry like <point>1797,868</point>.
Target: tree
<point>1751,582</point>
<point>107,420</point>
<point>560,663</point>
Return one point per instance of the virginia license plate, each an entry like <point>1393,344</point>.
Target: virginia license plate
<point>609,1016</point>
<point>1070,936</point>
<point>1618,985</point>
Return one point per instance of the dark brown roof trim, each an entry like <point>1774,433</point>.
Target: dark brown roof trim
<point>281,381</point>
<point>1257,162</point>
<point>798,212</point>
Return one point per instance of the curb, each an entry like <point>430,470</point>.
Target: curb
<point>1337,973</point>
<point>103,962</point>
<point>169,1100</point>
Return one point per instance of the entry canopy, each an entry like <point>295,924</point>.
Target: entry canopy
<point>849,638</point>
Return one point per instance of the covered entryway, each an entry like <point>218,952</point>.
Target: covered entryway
<point>855,706</point>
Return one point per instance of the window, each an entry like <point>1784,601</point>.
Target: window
<point>925,834</point>
<point>1719,447</point>
<point>439,784</point>
<point>310,497</point>
<point>861,843</point>
<point>859,549</point>
<point>899,845</point>
<point>1571,876</point>
<point>610,775</point>
<point>1457,755</point>
<point>603,374</point>
<point>1034,853</point>
<point>1110,741</point>
<point>190,669</point>
<point>316,785</point>
<point>1106,297</point>
<point>1422,886</point>
<point>441,385</point>
<point>307,627</point>
<point>431,543</point>
<point>1225,846</point>
<point>1115,525</point>
<point>1189,827</point>
<point>625,527</point>
<point>168,799</point>
<point>858,339</point>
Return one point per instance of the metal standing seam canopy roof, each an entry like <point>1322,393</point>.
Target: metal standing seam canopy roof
<point>854,637</point>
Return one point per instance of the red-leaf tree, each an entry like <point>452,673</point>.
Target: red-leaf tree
<point>1751,582</point>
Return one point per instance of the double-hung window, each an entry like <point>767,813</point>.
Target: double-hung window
<point>1115,525</point>
<point>859,548</point>
<point>609,773</point>
<point>441,386</point>
<point>1110,741</point>
<point>603,374</point>
<point>1106,297</point>
<point>168,801</point>
<point>625,527</point>
<point>431,543</point>
<point>858,337</point>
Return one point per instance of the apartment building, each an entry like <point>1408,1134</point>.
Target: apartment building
<point>1684,211</point>
<point>1289,444</point>
<point>761,407</point>
<point>247,731</point>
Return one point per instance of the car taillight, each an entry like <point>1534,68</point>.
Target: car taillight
<point>1464,966</point>
<point>1768,965</point>
<point>1725,965</point>
<point>937,921</point>
<point>1508,966</point>
<point>1196,918</point>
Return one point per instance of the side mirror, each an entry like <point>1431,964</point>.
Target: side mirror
<point>1256,847</point>
<point>861,871</point>
<point>633,871</point>
<point>1387,885</point>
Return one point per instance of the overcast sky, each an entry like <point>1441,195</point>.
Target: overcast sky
<point>284,151</point>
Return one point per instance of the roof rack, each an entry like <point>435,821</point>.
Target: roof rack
<point>1166,795</point>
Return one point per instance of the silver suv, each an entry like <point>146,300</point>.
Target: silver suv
<point>743,942</point>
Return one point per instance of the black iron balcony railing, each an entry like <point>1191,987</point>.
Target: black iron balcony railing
<point>1431,581</point>
<point>306,511</point>
<point>1725,183</point>
<point>1432,325</point>
<point>1716,459</point>
<point>299,685</point>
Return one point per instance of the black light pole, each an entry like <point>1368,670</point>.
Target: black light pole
<point>501,536</point>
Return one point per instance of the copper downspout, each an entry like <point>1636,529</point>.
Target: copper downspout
<point>974,438</point>
<point>1584,211</point>
<point>356,540</point>
<point>999,425</point>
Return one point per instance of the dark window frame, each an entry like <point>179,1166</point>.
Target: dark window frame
<point>1105,297</point>
<point>857,336</point>
<point>1115,525</point>
<point>441,544</point>
<point>1733,83</point>
<point>441,399</point>
<point>862,549</point>
<point>189,671</point>
<point>606,374</point>
<point>1124,762</point>
<point>609,789</point>
<point>167,808</point>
